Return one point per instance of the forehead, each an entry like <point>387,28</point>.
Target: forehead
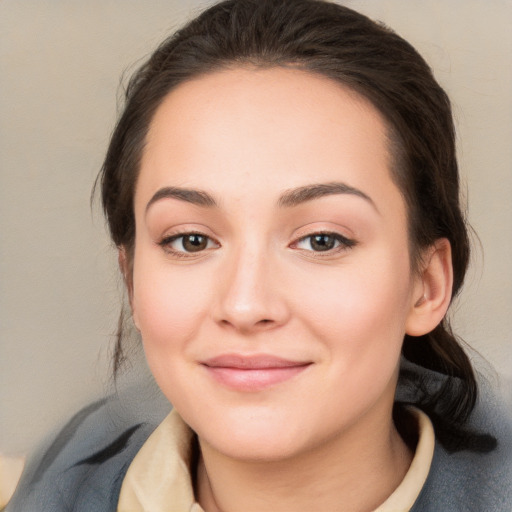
<point>276,127</point>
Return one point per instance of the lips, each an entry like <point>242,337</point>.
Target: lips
<point>252,373</point>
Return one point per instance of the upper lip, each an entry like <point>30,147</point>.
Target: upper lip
<point>251,362</point>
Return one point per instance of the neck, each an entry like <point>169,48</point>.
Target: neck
<point>355,472</point>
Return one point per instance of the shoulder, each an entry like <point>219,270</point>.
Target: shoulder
<point>468,480</point>
<point>83,467</point>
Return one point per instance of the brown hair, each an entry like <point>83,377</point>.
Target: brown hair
<point>339,43</point>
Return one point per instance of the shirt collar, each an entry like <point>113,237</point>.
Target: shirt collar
<point>160,473</point>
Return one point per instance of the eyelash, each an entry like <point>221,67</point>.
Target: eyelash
<point>341,243</point>
<point>166,242</point>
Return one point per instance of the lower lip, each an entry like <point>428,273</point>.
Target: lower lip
<point>255,379</point>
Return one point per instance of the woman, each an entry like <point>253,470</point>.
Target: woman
<point>282,187</point>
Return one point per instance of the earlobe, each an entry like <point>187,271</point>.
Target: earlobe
<point>434,291</point>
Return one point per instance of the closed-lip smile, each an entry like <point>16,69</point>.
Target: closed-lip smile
<point>252,372</point>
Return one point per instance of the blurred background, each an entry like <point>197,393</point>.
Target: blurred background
<point>60,67</point>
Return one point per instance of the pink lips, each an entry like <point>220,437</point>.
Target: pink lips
<point>252,373</point>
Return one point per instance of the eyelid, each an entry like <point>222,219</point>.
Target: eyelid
<point>172,238</point>
<point>165,241</point>
<point>183,229</point>
<point>345,243</point>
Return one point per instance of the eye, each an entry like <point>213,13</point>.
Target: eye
<point>187,243</point>
<point>323,242</point>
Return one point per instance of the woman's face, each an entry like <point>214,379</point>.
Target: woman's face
<point>271,276</point>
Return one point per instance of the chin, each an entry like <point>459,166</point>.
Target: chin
<point>256,448</point>
<point>254,437</point>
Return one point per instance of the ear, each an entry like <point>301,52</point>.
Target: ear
<point>433,289</point>
<point>126,268</point>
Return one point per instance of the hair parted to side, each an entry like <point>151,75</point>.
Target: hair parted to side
<point>336,42</point>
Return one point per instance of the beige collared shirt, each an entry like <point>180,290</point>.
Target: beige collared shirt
<point>158,479</point>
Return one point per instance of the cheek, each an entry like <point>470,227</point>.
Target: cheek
<point>360,310</point>
<point>168,305</point>
<point>170,308</point>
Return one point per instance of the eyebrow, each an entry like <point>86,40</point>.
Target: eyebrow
<point>197,197</point>
<point>300,195</point>
<point>288,199</point>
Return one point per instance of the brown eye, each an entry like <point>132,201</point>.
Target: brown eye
<point>194,243</point>
<point>322,242</point>
<point>187,243</point>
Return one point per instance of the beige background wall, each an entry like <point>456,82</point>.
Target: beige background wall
<point>60,63</point>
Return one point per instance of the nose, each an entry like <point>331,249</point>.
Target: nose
<point>251,294</point>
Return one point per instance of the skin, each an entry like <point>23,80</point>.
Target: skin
<point>324,438</point>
